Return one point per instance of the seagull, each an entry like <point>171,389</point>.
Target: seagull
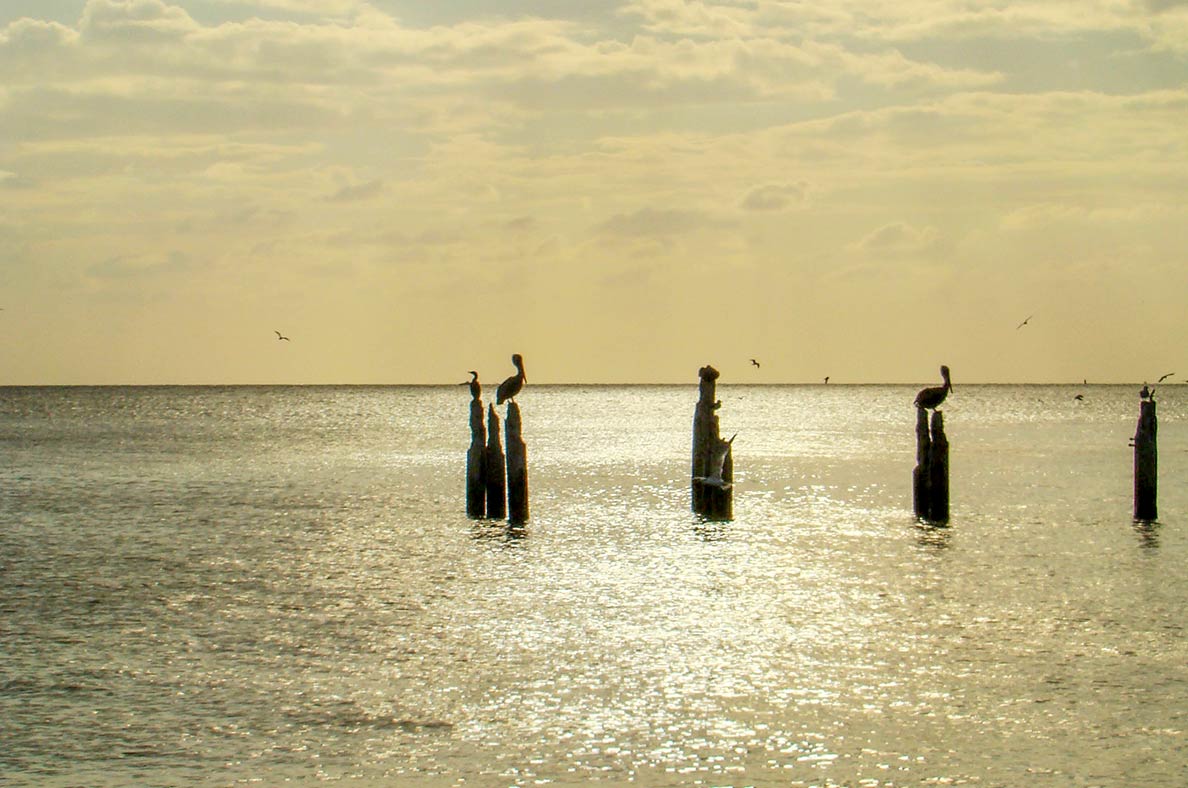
<point>1025,322</point>
<point>755,363</point>
<point>1165,377</point>
<point>718,464</point>
<point>281,336</point>
<point>932,397</point>
<point>476,388</point>
<point>509,388</point>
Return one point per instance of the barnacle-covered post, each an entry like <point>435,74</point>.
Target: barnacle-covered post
<point>496,481</point>
<point>517,467</point>
<point>938,471</point>
<point>713,459</point>
<point>1146,463</point>
<point>476,479</point>
<point>920,475</point>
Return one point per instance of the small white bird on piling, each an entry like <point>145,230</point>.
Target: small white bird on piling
<point>509,388</point>
<point>931,397</point>
<point>718,464</point>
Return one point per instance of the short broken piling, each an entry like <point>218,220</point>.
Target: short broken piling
<point>517,467</point>
<point>1146,464</point>
<point>713,459</point>
<point>476,481</point>
<point>496,488</point>
<point>930,477</point>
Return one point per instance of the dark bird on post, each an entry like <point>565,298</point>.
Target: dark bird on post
<point>931,398</point>
<point>1025,322</point>
<point>476,389</point>
<point>1146,393</point>
<point>826,380</point>
<point>280,336</point>
<point>509,388</point>
<point>755,363</point>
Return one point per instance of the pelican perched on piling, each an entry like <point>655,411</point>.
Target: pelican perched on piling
<point>718,465</point>
<point>931,397</point>
<point>509,388</point>
<point>476,388</point>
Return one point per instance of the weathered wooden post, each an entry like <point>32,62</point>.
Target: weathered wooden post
<point>476,480</point>
<point>938,471</point>
<point>517,467</point>
<point>496,489</point>
<point>920,474</point>
<point>713,460</point>
<point>1146,464</point>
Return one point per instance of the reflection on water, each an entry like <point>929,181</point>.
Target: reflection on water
<point>225,585</point>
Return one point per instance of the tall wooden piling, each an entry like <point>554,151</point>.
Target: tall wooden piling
<point>476,480</point>
<point>930,477</point>
<point>713,458</point>
<point>1146,464</point>
<point>920,475</point>
<point>496,487</point>
<point>938,471</point>
<point>517,467</point>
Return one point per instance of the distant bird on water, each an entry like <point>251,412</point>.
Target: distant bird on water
<point>932,397</point>
<point>476,388</point>
<point>509,388</point>
<point>280,336</point>
<point>1025,322</point>
<point>755,363</point>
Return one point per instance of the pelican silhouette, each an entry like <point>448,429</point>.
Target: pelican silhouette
<point>476,388</point>
<point>717,465</point>
<point>932,397</point>
<point>280,336</point>
<point>509,388</point>
<point>755,363</point>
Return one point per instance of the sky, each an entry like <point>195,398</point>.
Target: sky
<point>620,191</point>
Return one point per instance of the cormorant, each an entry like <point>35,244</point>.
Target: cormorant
<point>932,397</point>
<point>509,388</point>
<point>476,389</point>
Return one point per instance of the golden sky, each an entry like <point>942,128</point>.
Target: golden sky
<point>620,191</point>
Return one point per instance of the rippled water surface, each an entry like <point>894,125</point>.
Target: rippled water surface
<point>224,585</point>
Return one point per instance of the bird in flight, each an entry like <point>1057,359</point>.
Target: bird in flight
<point>281,336</point>
<point>755,363</point>
<point>1165,377</point>
<point>1025,322</point>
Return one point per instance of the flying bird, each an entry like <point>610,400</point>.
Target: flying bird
<point>509,388</point>
<point>932,397</point>
<point>476,388</point>
<point>755,363</point>
<point>280,336</point>
<point>1025,322</point>
<point>718,465</point>
<point>1165,377</point>
<point>1079,397</point>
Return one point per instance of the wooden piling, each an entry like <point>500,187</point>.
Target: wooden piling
<point>938,471</point>
<point>476,481</point>
<point>920,475</point>
<point>1146,464</point>
<point>493,460</point>
<point>713,458</point>
<point>517,467</point>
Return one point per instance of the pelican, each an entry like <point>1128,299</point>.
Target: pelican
<point>755,363</point>
<point>509,388</point>
<point>932,397</point>
<point>1025,322</point>
<point>280,336</point>
<point>476,389</point>
<point>718,464</point>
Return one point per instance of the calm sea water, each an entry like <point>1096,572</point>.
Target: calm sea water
<point>231,585</point>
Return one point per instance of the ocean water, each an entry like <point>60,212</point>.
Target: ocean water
<point>278,585</point>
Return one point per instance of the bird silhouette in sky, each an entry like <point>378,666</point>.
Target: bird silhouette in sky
<point>280,336</point>
<point>1025,322</point>
<point>1165,377</point>
<point>755,363</point>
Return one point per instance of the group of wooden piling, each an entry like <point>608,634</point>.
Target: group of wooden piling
<point>496,482</point>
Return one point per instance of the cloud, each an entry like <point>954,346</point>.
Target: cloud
<point>356,192</point>
<point>899,238</point>
<point>776,197</point>
<point>654,223</point>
